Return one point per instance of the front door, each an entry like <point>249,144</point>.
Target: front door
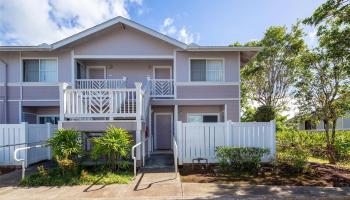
<point>163,130</point>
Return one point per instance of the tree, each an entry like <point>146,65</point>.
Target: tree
<point>264,114</point>
<point>332,20</point>
<point>323,93</point>
<point>323,87</point>
<point>271,74</point>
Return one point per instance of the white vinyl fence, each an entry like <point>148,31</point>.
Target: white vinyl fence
<point>199,140</point>
<point>13,136</point>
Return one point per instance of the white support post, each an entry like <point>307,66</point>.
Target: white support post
<point>63,87</point>
<point>228,133</point>
<point>225,112</point>
<point>138,118</point>
<point>150,138</point>
<point>179,141</point>
<point>176,116</point>
<point>273,138</point>
<point>48,137</point>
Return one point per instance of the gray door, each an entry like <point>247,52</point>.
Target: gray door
<point>163,131</point>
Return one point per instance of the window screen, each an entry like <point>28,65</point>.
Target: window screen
<point>198,70</point>
<point>31,70</point>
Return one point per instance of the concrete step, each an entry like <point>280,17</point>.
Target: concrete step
<point>157,161</point>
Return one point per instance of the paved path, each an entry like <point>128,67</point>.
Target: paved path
<point>165,185</point>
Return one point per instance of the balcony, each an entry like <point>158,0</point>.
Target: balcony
<point>94,99</point>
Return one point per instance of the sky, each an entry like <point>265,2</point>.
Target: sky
<point>205,22</point>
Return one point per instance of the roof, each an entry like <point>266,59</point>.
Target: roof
<point>122,20</point>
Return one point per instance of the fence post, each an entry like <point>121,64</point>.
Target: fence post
<point>179,140</point>
<point>24,129</point>
<point>273,138</point>
<point>48,129</point>
<point>228,133</point>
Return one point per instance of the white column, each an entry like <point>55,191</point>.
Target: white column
<point>62,95</point>
<point>176,118</point>
<point>150,138</point>
<point>138,118</point>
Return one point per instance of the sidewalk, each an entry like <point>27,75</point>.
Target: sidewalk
<point>165,185</point>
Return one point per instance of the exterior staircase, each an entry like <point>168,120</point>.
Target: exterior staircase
<point>159,162</point>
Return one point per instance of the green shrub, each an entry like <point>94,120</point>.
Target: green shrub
<point>264,114</point>
<point>66,144</point>
<point>66,147</point>
<point>240,158</point>
<point>314,143</point>
<point>115,145</point>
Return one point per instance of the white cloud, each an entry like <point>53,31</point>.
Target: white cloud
<point>168,28</point>
<point>168,21</point>
<point>24,22</point>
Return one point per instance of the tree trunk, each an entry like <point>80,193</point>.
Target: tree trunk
<point>329,141</point>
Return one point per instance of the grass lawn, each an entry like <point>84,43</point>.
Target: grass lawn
<point>54,177</point>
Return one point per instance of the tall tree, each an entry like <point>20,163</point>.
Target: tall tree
<point>332,20</point>
<point>322,92</point>
<point>323,87</point>
<point>271,74</point>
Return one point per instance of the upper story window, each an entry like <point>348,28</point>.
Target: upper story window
<point>40,70</point>
<point>210,70</point>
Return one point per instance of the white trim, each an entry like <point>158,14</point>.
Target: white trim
<point>218,99</point>
<point>225,112</point>
<point>174,74</point>
<point>204,83</point>
<point>73,68</point>
<point>38,58</point>
<point>202,114</point>
<point>155,127</point>
<point>34,84</point>
<point>239,89</point>
<point>123,56</point>
<point>96,67</point>
<point>36,100</point>
<point>162,67</point>
<point>206,59</point>
<point>112,22</point>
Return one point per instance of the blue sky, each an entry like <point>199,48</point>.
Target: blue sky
<point>206,22</point>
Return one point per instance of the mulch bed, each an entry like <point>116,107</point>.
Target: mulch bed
<point>316,175</point>
<point>5,170</point>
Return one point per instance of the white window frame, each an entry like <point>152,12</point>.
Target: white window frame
<point>38,117</point>
<point>206,59</point>
<point>96,67</point>
<point>38,58</point>
<point>162,67</point>
<point>202,114</point>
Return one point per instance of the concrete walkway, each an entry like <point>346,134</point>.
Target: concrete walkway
<point>164,185</point>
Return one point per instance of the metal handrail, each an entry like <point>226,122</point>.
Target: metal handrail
<point>175,149</point>
<point>133,155</point>
<point>23,160</point>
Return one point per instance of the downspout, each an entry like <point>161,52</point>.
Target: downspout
<point>5,91</point>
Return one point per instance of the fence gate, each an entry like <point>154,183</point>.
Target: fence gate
<point>199,140</point>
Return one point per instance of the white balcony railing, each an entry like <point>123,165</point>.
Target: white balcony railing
<point>100,83</point>
<point>90,104</point>
<point>162,87</point>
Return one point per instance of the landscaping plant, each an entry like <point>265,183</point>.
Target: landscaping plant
<point>240,158</point>
<point>66,147</point>
<point>115,145</point>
